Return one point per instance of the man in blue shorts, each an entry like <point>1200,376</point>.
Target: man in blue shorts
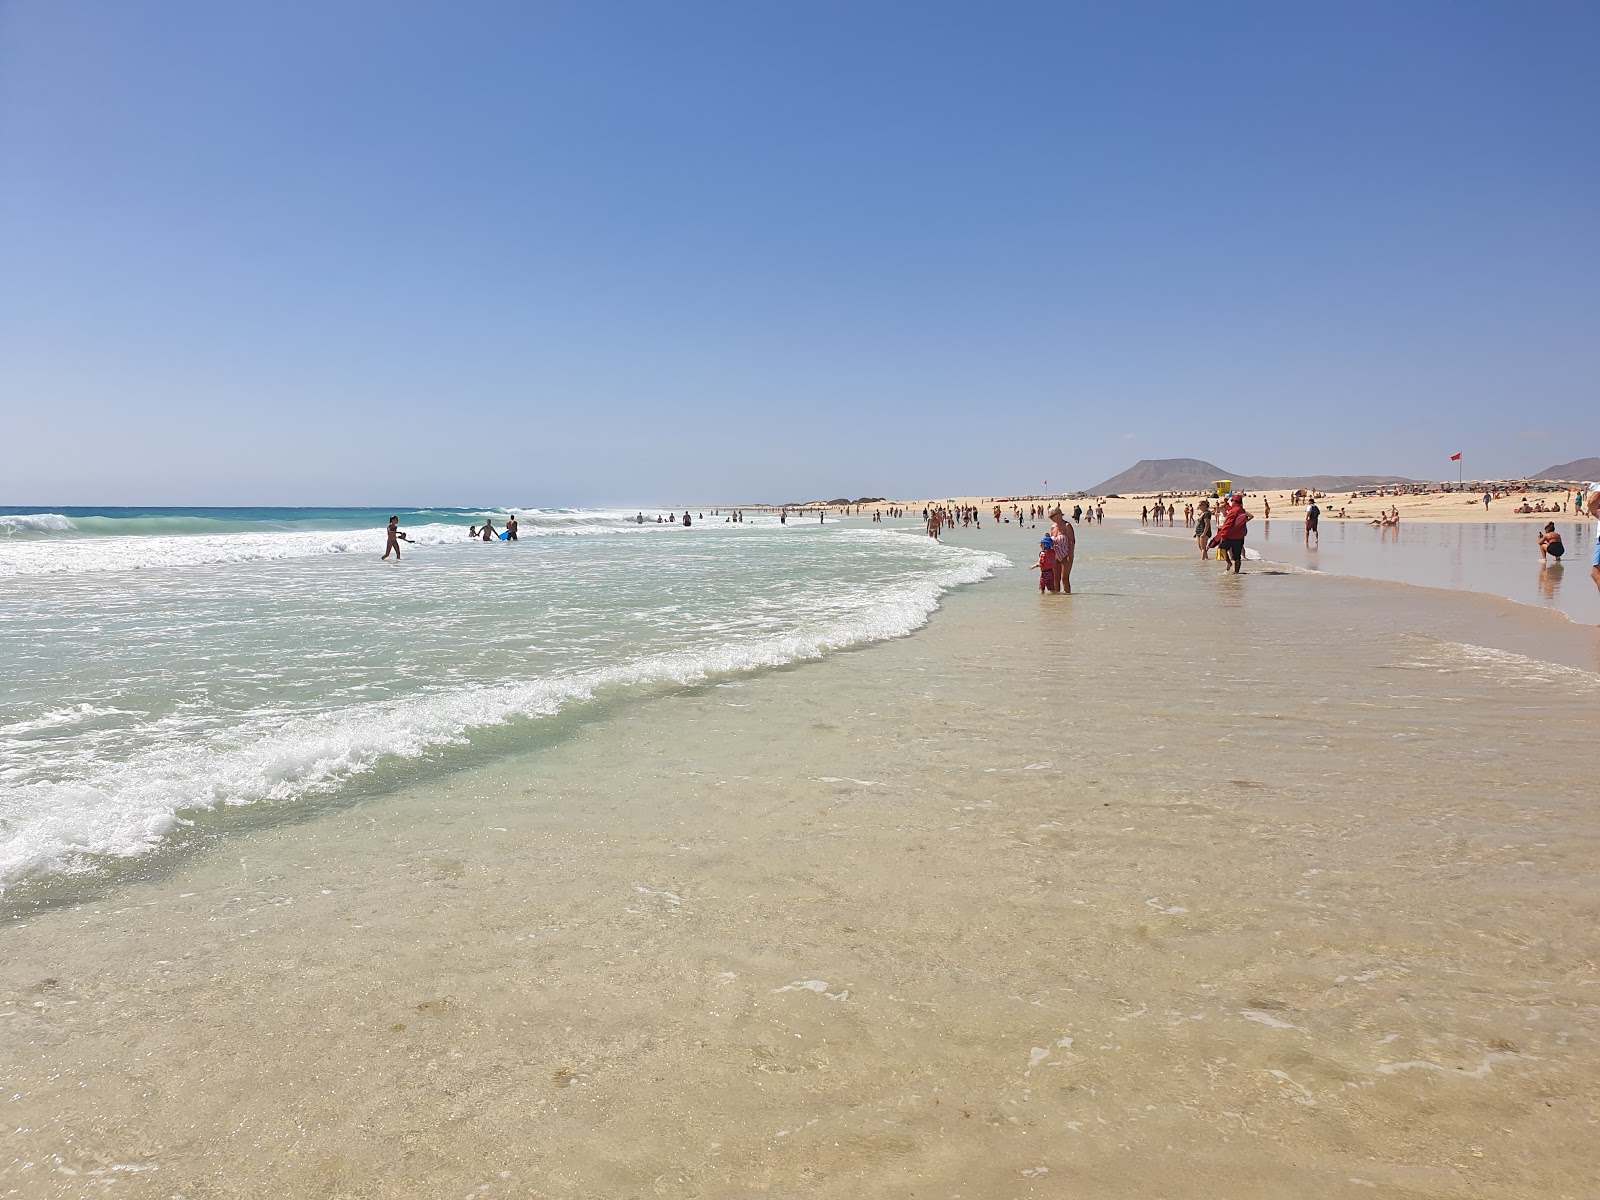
<point>1592,507</point>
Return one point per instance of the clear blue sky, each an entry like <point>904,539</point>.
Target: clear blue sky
<point>395,252</point>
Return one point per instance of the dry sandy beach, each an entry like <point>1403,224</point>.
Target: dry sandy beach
<point>1181,886</point>
<point>1436,507</point>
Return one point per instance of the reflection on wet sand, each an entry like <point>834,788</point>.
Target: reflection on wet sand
<point>1550,576</point>
<point>1499,559</point>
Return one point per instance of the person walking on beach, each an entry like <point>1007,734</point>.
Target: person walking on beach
<point>1313,514</point>
<point>394,539</point>
<point>1065,541</point>
<point>1231,535</point>
<point>1592,508</point>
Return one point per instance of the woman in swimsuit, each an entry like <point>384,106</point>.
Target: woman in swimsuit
<point>1065,540</point>
<point>1550,543</point>
<point>1202,528</point>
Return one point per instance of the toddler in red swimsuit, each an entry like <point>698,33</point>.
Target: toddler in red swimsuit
<point>1047,566</point>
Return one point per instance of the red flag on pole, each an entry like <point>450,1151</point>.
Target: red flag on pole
<point>1455,457</point>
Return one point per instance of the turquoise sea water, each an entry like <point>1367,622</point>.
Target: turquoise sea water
<point>165,666</point>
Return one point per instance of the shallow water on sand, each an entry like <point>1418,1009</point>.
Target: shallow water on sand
<point>1500,559</point>
<point>1183,885</point>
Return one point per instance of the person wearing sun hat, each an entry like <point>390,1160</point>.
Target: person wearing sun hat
<point>1065,541</point>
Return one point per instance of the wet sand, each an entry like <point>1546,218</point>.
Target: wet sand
<point>1184,885</point>
<point>1474,556</point>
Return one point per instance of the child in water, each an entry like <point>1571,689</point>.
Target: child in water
<point>1047,566</point>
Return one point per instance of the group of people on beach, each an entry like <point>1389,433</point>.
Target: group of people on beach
<point>1224,531</point>
<point>1551,547</point>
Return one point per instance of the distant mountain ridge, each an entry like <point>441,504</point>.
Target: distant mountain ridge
<point>1585,470</point>
<point>1195,474</point>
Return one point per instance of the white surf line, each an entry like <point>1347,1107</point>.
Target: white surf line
<point>1484,1068</point>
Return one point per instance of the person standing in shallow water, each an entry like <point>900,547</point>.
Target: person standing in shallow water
<point>394,539</point>
<point>1231,534</point>
<point>1592,508</point>
<point>1065,540</point>
<point>1202,528</point>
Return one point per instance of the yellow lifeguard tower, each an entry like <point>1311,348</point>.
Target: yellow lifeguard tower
<point>1223,486</point>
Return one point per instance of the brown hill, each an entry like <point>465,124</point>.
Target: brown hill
<point>1585,470</point>
<point>1195,474</point>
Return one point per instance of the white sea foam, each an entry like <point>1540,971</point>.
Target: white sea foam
<point>95,555</point>
<point>35,523</point>
<point>56,718</point>
<point>125,807</point>
<point>1508,666</point>
<point>98,555</point>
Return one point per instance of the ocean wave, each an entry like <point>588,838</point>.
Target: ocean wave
<point>128,808</point>
<point>132,554</point>
<point>97,555</point>
<point>56,718</point>
<point>25,523</point>
<point>201,522</point>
